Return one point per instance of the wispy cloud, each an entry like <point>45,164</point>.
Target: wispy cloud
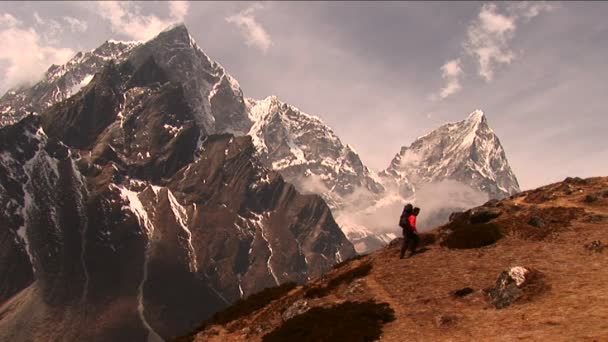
<point>76,25</point>
<point>451,72</point>
<point>25,68</point>
<point>126,18</point>
<point>488,41</point>
<point>254,33</point>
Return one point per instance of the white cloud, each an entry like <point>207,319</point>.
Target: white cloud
<point>488,42</point>
<point>126,18</point>
<point>530,9</point>
<point>178,9</point>
<point>253,31</point>
<point>25,68</point>
<point>451,72</point>
<point>7,20</point>
<point>76,25</point>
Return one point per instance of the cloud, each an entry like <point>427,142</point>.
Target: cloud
<point>7,20</point>
<point>126,18</point>
<point>451,72</point>
<point>488,42</point>
<point>25,68</point>
<point>530,9</point>
<point>488,38</point>
<point>439,199</point>
<point>255,34</point>
<point>76,25</point>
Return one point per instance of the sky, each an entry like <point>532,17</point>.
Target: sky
<point>380,74</point>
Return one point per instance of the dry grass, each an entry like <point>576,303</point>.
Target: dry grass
<point>573,306</point>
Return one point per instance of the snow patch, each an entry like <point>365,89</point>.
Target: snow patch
<point>259,221</point>
<point>181,216</point>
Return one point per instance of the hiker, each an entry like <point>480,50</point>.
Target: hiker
<point>411,239</point>
<point>404,223</point>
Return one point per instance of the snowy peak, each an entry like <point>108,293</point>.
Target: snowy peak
<point>477,116</point>
<point>306,151</point>
<point>62,81</point>
<point>467,151</point>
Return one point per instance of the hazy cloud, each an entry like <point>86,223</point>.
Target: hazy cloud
<point>530,9</point>
<point>254,33</point>
<point>76,25</point>
<point>126,18</point>
<point>8,20</point>
<point>26,68</point>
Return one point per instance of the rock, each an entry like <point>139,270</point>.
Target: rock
<point>568,189</point>
<point>483,215</point>
<point>455,215</point>
<point>492,203</point>
<point>462,292</point>
<point>575,180</point>
<point>517,283</point>
<point>537,222</point>
<point>595,218</point>
<point>446,320</point>
<point>355,286</point>
<point>595,246</point>
<point>297,308</point>
<point>605,193</point>
<point>591,198</point>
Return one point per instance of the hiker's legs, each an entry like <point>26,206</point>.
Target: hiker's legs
<point>415,239</point>
<point>403,246</point>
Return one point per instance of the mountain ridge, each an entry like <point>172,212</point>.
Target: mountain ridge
<point>310,155</point>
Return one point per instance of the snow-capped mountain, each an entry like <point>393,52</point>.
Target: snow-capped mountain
<point>299,146</point>
<point>61,81</point>
<point>117,202</point>
<point>307,152</point>
<point>467,151</point>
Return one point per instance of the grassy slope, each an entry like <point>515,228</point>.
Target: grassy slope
<point>419,288</point>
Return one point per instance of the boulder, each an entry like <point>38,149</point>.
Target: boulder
<point>537,222</point>
<point>455,215</point>
<point>483,215</point>
<point>516,284</point>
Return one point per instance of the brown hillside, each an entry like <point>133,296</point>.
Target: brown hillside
<point>551,229</point>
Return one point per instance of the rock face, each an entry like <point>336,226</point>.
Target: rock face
<point>307,152</point>
<point>118,203</point>
<point>517,283</point>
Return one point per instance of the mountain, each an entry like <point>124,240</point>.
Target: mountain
<point>307,152</point>
<point>131,212</point>
<point>467,151</point>
<point>480,277</point>
<point>455,167</point>
<point>61,81</point>
<point>463,161</point>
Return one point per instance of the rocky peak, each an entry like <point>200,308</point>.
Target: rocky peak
<point>306,151</point>
<point>114,190</point>
<point>467,151</point>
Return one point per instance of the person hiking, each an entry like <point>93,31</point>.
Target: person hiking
<point>412,239</point>
<point>404,223</point>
